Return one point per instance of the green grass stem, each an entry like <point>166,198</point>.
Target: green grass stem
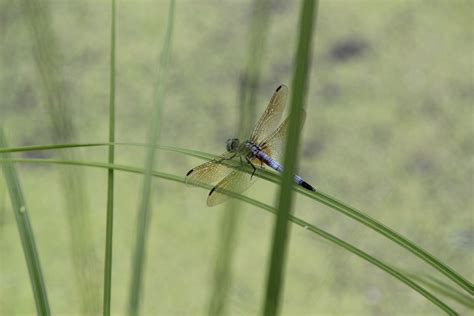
<point>285,199</point>
<point>110,176</point>
<point>250,77</point>
<point>37,15</point>
<point>143,218</point>
<point>222,274</point>
<point>442,288</point>
<point>249,83</point>
<point>20,209</point>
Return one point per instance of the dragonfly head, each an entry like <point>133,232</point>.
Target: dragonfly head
<point>233,144</point>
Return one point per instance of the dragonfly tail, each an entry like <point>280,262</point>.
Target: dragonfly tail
<point>307,186</point>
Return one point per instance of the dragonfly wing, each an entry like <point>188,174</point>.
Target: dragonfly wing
<point>210,171</point>
<point>273,145</point>
<point>272,115</point>
<point>237,182</point>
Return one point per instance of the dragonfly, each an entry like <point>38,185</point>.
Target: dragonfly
<point>263,148</point>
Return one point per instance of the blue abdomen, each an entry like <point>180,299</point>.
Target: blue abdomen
<point>257,152</point>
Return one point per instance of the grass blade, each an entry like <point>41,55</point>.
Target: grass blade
<point>110,176</point>
<point>250,78</point>
<point>223,263</point>
<point>47,59</point>
<point>394,236</point>
<point>50,147</point>
<point>305,225</point>
<point>442,288</point>
<point>144,210</point>
<point>280,235</point>
<point>317,196</point>
<point>26,234</point>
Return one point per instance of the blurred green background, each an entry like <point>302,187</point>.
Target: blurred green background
<point>389,130</point>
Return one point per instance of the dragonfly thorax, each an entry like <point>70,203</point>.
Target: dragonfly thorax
<point>233,145</point>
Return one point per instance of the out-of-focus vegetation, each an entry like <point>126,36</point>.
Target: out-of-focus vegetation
<point>389,130</point>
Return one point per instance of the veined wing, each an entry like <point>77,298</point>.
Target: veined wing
<point>273,145</point>
<point>272,115</point>
<point>237,182</point>
<point>210,171</point>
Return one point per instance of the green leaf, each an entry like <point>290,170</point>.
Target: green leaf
<point>110,176</point>
<point>285,199</point>
<point>26,233</point>
<point>144,209</point>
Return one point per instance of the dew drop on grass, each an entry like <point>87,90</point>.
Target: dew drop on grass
<point>22,209</point>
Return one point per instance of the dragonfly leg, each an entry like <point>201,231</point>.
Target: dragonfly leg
<point>253,167</point>
<point>230,158</point>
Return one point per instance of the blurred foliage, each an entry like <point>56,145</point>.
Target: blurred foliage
<point>259,25</point>
<point>389,130</point>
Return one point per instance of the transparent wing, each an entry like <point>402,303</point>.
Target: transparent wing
<point>237,181</point>
<point>272,115</point>
<point>273,145</point>
<point>210,171</point>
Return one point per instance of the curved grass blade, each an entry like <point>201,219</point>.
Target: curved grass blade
<point>318,196</point>
<point>383,266</point>
<point>50,147</point>
<point>444,289</point>
<point>26,233</point>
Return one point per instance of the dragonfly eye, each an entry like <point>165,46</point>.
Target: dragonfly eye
<point>232,144</point>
